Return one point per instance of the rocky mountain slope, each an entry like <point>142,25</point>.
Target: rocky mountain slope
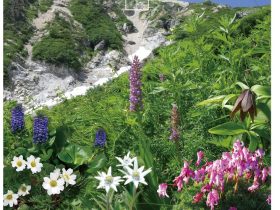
<point>36,79</point>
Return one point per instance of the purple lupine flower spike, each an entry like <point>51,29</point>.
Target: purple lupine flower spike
<point>17,121</point>
<point>135,86</point>
<point>40,130</point>
<point>174,123</point>
<point>100,138</point>
<point>161,77</point>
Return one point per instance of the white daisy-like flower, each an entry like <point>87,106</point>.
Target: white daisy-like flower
<point>136,175</point>
<point>10,199</point>
<point>53,184</point>
<point>19,163</point>
<point>107,181</point>
<point>126,161</point>
<point>34,164</point>
<point>68,176</point>
<point>24,190</point>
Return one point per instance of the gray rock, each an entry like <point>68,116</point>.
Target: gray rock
<point>100,46</point>
<point>131,42</point>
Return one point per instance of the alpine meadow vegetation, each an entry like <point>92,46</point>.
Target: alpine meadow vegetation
<point>187,129</point>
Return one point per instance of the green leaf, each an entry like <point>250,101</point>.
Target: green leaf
<point>75,154</point>
<point>254,140</point>
<point>227,98</point>
<point>158,90</point>
<point>265,109</point>
<point>213,100</point>
<point>226,143</point>
<point>229,128</point>
<point>261,90</point>
<point>242,85</point>
<point>61,136</point>
<point>46,155</point>
<point>98,162</point>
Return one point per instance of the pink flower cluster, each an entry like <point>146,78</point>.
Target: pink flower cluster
<point>234,165</point>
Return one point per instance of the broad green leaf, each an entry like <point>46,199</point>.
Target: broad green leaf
<point>265,110</point>
<point>229,128</point>
<point>254,140</point>
<point>242,85</point>
<point>98,162</point>
<point>261,90</point>
<point>227,142</point>
<point>227,98</point>
<point>75,154</point>
<point>213,100</point>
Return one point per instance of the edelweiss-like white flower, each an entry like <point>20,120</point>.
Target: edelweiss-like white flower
<point>24,190</point>
<point>68,176</point>
<point>54,184</point>
<point>107,181</point>
<point>10,199</point>
<point>126,161</point>
<point>136,175</point>
<point>19,163</point>
<point>34,164</point>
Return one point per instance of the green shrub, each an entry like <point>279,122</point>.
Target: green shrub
<point>97,23</point>
<point>61,45</point>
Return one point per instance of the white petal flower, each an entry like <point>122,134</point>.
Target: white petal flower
<point>107,181</point>
<point>136,175</point>
<point>10,199</point>
<point>34,164</point>
<point>24,190</point>
<point>126,161</point>
<point>68,176</point>
<point>54,184</point>
<point>19,163</point>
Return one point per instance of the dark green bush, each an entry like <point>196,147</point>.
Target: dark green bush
<point>97,23</point>
<point>61,46</point>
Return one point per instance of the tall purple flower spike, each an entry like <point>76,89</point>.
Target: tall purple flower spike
<point>174,123</point>
<point>17,121</point>
<point>40,130</point>
<point>135,86</point>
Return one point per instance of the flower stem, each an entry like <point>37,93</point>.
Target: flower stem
<point>108,201</point>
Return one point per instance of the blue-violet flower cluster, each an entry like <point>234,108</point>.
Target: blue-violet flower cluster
<point>40,130</point>
<point>17,121</point>
<point>100,138</point>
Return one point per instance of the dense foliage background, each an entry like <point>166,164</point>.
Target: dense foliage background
<point>212,52</point>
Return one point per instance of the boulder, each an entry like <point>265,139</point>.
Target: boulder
<point>100,46</point>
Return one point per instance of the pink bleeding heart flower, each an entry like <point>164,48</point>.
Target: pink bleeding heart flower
<point>206,188</point>
<point>264,175</point>
<point>200,156</point>
<point>259,153</point>
<point>197,198</point>
<point>268,200</point>
<point>232,208</point>
<point>255,185</point>
<point>199,175</point>
<point>178,181</point>
<point>212,199</point>
<point>162,190</point>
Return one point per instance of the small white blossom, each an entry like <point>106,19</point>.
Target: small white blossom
<point>24,190</point>
<point>34,164</point>
<point>107,181</point>
<point>126,161</point>
<point>53,184</point>
<point>136,175</point>
<point>19,163</point>
<point>68,176</point>
<point>10,199</point>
